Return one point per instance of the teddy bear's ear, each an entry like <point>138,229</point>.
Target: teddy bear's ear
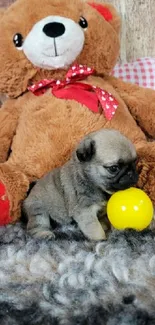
<point>108,12</point>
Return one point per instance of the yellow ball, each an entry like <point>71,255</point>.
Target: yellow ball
<point>131,208</point>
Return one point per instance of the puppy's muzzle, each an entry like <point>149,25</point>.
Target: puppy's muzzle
<point>127,177</point>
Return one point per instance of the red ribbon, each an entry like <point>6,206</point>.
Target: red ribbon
<point>71,88</point>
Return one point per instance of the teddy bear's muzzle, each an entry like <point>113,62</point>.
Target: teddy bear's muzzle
<point>50,43</point>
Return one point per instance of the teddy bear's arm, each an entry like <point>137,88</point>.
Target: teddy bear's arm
<point>9,114</point>
<point>140,102</point>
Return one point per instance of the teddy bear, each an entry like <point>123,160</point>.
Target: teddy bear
<point>56,60</point>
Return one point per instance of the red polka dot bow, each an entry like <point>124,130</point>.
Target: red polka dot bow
<point>71,88</point>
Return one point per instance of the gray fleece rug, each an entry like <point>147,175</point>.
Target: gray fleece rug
<point>70,281</point>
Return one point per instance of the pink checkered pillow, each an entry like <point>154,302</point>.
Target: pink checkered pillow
<point>140,72</point>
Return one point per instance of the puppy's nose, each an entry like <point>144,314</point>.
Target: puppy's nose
<point>54,29</point>
<point>130,173</point>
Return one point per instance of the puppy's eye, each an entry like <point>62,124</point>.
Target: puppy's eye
<point>83,22</point>
<point>113,169</point>
<point>18,41</point>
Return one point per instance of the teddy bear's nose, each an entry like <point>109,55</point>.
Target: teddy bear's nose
<point>54,29</point>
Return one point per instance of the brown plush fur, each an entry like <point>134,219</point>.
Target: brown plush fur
<point>2,10</point>
<point>39,133</point>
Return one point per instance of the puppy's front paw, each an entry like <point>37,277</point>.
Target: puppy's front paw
<point>41,234</point>
<point>96,234</point>
<point>98,237</point>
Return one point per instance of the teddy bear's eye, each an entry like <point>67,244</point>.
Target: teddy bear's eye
<point>18,40</point>
<point>83,22</point>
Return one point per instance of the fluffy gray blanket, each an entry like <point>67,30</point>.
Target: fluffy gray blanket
<point>70,281</point>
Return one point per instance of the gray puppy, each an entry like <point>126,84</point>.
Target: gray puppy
<point>103,163</point>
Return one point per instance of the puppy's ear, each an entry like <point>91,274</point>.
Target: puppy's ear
<point>86,150</point>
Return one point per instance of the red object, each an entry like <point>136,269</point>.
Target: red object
<point>89,98</point>
<point>104,11</point>
<point>4,206</point>
<point>71,88</point>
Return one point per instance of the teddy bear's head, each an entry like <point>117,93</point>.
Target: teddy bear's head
<point>45,37</point>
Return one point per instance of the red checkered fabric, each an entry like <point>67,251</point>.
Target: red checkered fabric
<point>140,72</point>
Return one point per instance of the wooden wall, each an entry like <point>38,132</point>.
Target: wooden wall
<point>138,27</point>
